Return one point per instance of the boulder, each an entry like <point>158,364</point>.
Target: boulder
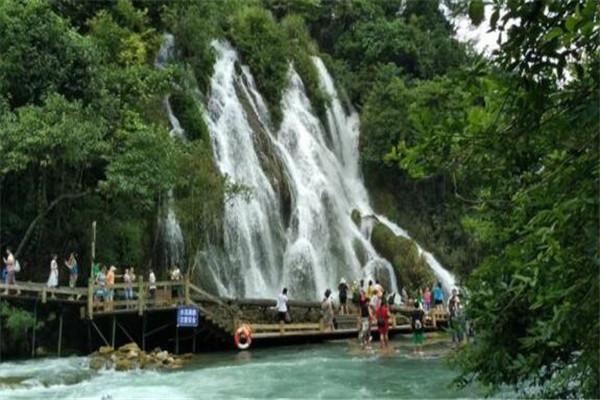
<point>97,363</point>
<point>123,365</point>
<point>169,360</point>
<point>104,350</point>
<point>126,348</point>
<point>161,356</point>
<point>132,354</point>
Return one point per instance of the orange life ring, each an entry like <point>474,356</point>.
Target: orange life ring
<point>243,337</point>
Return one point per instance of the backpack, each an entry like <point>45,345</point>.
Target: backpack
<point>17,266</point>
<point>418,324</point>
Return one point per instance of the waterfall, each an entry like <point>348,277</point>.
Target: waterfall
<point>295,230</point>
<point>174,247</point>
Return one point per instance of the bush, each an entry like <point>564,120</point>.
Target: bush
<point>188,113</point>
<point>262,45</point>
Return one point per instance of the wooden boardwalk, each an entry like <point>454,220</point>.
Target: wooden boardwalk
<point>223,315</point>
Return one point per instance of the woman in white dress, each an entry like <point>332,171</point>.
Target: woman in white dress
<point>53,278</point>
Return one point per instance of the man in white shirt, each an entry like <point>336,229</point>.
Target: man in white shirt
<point>152,284</point>
<point>282,308</point>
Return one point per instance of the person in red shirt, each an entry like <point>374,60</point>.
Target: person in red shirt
<point>383,325</point>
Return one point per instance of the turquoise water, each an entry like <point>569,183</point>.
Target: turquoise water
<point>333,370</point>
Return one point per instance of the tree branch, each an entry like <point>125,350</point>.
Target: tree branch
<point>41,215</point>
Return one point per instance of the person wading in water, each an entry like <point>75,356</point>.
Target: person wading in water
<point>417,327</point>
<point>343,295</point>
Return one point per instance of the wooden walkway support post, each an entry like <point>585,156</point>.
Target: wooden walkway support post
<point>90,298</point>
<point>114,330</point>
<point>141,296</point>
<point>34,328</point>
<point>60,329</point>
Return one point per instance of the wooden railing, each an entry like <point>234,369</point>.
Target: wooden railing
<point>98,302</point>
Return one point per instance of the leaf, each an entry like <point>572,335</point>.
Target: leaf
<point>553,33</point>
<point>476,11</point>
<point>571,23</point>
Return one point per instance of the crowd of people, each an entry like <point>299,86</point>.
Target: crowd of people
<point>103,276</point>
<point>372,304</point>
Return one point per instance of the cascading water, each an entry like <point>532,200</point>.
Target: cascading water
<point>296,229</point>
<point>174,249</point>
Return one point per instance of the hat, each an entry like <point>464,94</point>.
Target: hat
<point>113,268</point>
<point>342,280</point>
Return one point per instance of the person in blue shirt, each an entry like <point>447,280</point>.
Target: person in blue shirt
<point>438,296</point>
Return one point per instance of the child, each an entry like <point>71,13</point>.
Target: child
<point>417,327</point>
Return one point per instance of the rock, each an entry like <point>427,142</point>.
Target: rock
<point>123,365</point>
<point>132,354</point>
<point>161,356</point>
<point>41,351</point>
<point>169,360</point>
<point>97,363</point>
<point>356,217</point>
<point>105,350</point>
<point>410,267</point>
<point>126,348</point>
<point>187,356</point>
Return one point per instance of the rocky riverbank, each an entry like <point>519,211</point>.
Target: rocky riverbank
<point>130,356</point>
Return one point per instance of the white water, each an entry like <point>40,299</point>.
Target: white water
<point>171,230</point>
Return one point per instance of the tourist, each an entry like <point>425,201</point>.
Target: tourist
<point>427,299</point>
<point>383,323</point>
<point>438,296</point>
<point>327,312</point>
<point>282,307</point>
<point>364,332</point>
<point>454,311</point>
<point>417,327</point>
<point>71,264</point>
<point>128,286</point>
<point>11,270</point>
<point>110,286</point>
<point>420,297</point>
<point>404,296</point>
<point>95,271</point>
<point>177,277</point>
<point>101,282</point>
<point>343,295</point>
<point>152,285</point>
<point>53,277</point>
<point>370,290</point>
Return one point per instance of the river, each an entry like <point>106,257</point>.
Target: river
<point>331,370</point>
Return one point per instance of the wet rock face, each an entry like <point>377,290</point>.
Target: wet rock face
<point>130,356</point>
<point>410,267</point>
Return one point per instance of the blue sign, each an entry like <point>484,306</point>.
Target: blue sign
<point>187,316</point>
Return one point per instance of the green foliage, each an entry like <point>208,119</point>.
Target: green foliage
<point>40,54</point>
<point>189,113</point>
<point>15,324</point>
<point>262,45</point>
<point>200,196</point>
<point>301,49</point>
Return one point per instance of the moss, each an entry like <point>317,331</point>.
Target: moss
<point>356,217</point>
<point>302,48</point>
<point>360,251</point>
<point>411,268</point>
<point>187,112</point>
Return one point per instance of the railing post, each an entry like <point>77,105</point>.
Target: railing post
<point>141,296</point>
<point>44,295</point>
<point>90,298</point>
<point>186,289</point>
